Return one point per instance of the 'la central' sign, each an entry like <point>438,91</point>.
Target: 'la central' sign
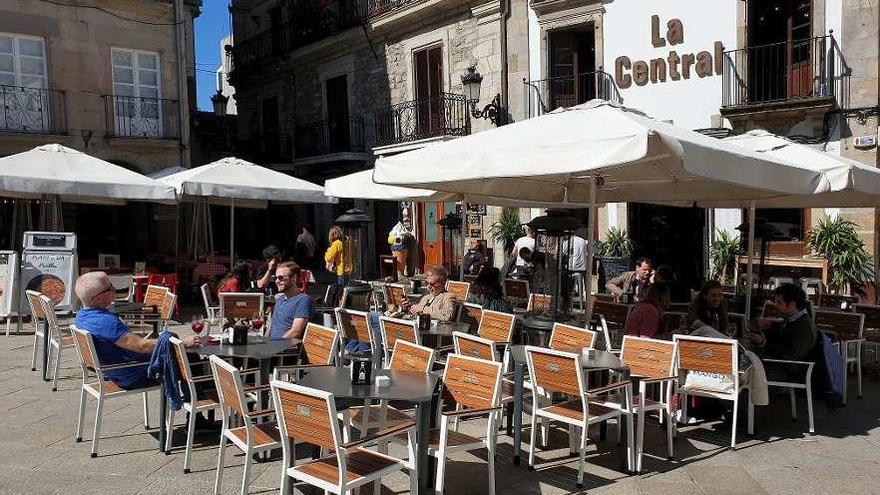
<point>674,66</point>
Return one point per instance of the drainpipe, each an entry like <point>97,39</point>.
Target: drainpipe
<point>505,16</point>
<point>182,91</point>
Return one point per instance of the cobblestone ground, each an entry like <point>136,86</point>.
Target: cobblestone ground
<point>39,455</point>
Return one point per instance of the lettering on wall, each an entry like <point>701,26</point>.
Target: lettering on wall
<point>672,67</point>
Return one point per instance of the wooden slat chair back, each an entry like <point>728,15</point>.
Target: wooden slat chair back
<point>471,382</point>
<point>395,295</point>
<point>395,329</point>
<point>826,300</point>
<point>496,326</point>
<point>615,313</point>
<point>407,356</point>
<point>354,325</point>
<point>570,338</point>
<point>184,371</point>
<point>555,371</point>
<point>59,337</point>
<point>471,314</point>
<point>872,315</point>
<point>459,290</point>
<point>154,297</point>
<point>240,304</point>
<point>230,387</point>
<point>33,298</point>
<point>847,326</point>
<point>707,355</point>
<point>37,317</point>
<point>474,346</point>
<point>648,358</point>
<point>86,349</point>
<point>539,302</point>
<point>515,289</point>
<point>306,415</point>
<point>167,307</point>
<point>769,310</point>
<point>320,344</point>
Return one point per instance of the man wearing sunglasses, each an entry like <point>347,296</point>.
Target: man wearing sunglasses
<point>114,343</point>
<point>293,309</point>
<point>438,303</point>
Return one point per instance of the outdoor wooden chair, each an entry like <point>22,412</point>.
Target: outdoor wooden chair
<point>212,312</point>
<point>539,302</point>
<point>612,316</point>
<point>355,325</point>
<point>59,337</point>
<point>459,290</point>
<point>38,317</point>
<point>515,291</point>
<point>96,385</point>
<point>805,384</point>
<point>850,331</point>
<point>498,327</point>
<point>394,329</point>
<point>653,361</point>
<point>320,346</point>
<point>471,390</point>
<point>709,367</point>
<point>570,338</point>
<point>253,437</point>
<point>142,321</point>
<point>554,371</point>
<point>470,314</point>
<point>309,416</point>
<point>124,285</point>
<point>240,305</point>
<point>406,357</point>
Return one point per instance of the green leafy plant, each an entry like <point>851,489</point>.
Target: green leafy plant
<point>722,253</point>
<point>617,244</point>
<point>838,241</point>
<point>507,229</point>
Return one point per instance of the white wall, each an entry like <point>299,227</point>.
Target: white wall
<point>627,32</point>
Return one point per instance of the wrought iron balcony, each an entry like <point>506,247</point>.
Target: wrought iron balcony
<point>546,95</point>
<point>142,118</point>
<point>785,72</point>
<point>446,114</point>
<point>32,110</point>
<point>378,8</point>
<point>270,147</point>
<point>330,136</point>
<point>311,21</point>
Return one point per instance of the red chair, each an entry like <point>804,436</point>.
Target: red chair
<point>168,280</point>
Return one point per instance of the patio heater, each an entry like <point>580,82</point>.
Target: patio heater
<point>452,243</point>
<point>354,224</point>
<point>765,232</point>
<point>554,232</point>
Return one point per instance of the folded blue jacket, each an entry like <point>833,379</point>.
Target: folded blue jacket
<point>163,368</point>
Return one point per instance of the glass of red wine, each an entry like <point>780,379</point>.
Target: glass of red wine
<point>257,322</point>
<point>197,324</point>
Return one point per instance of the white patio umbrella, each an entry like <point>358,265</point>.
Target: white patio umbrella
<point>237,182</point>
<point>597,152</point>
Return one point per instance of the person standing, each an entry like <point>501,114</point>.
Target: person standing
<point>633,284</point>
<point>336,263</point>
<point>577,254</point>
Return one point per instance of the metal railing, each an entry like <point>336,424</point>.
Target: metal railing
<point>378,8</point>
<point>546,95</point>
<point>311,21</point>
<point>270,147</point>
<point>32,110</point>
<point>330,136</point>
<point>779,72</point>
<point>142,118</point>
<point>446,114</point>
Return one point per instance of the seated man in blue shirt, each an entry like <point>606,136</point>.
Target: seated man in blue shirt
<point>293,309</point>
<point>114,343</point>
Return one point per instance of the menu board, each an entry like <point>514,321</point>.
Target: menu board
<point>51,273</point>
<point>8,272</point>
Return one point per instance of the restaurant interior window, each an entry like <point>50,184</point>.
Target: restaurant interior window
<point>572,66</point>
<point>24,102</point>
<point>781,59</point>
<point>789,221</point>
<point>428,67</point>
<point>137,107</point>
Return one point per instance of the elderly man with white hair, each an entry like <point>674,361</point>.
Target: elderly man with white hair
<point>114,343</point>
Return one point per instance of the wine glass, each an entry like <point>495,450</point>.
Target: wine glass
<point>197,324</point>
<point>257,321</point>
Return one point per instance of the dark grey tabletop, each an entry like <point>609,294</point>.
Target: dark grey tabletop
<point>404,386</point>
<point>256,348</point>
<point>596,360</point>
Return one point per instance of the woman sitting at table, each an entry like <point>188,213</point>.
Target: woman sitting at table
<point>709,308</point>
<point>646,317</point>
<point>238,280</point>
<point>437,303</point>
<point>486,290</point>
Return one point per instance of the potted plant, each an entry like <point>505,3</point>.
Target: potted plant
<point>507,229</point>
<point>615,252</point>
<point>850,265</point>
<point>722,253</point>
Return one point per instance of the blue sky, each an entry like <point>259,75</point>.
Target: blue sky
<point>211,27</point>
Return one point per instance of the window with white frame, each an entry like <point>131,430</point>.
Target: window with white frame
<point>24,100</point>
<point>137,104</point>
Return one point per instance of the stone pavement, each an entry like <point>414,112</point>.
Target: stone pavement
<point>39,455</point>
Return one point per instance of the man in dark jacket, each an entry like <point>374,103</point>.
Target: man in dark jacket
<point>793,339</point>
<point>634,284</point>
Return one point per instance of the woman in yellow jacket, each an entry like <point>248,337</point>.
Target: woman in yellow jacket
<point>335,258</point>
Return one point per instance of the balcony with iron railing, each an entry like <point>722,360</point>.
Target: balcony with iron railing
<point>783,74</point>
<point>32,110</point>
<point>546,95</point>
<point>330,136</point>
<point>443,115</point>
<point>141,118</point>
<point>311,21</point>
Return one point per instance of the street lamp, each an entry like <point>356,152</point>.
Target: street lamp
<point>493,111</point>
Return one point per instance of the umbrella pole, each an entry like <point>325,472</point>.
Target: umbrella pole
<point>231,233</point>
<point>462,248</point>
<point>750,278</point>
<point>591,246</point>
